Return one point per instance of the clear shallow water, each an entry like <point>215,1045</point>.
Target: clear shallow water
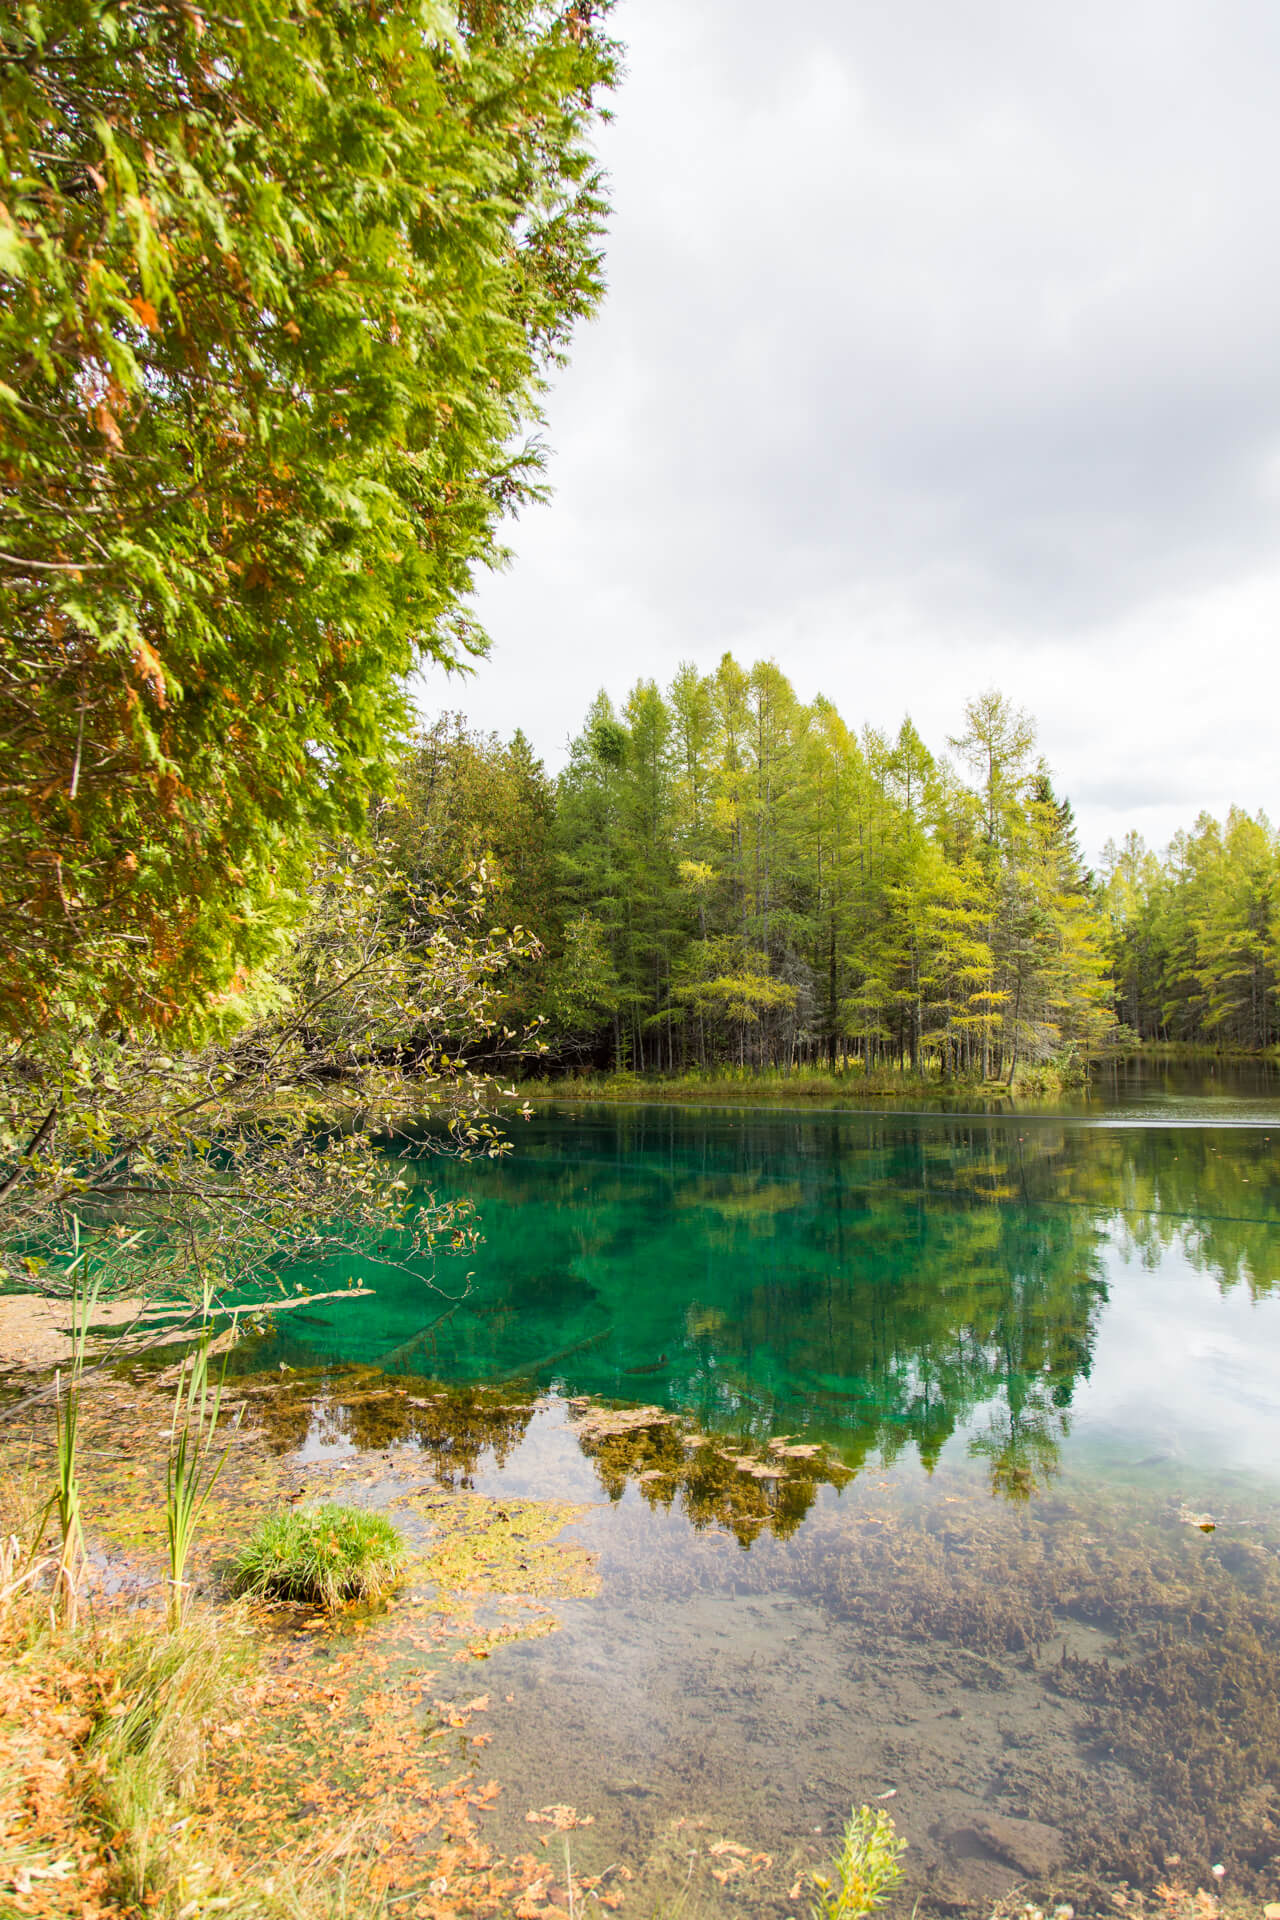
<point>1038,1346</point>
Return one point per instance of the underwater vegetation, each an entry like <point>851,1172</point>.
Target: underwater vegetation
<point>866,1870</point>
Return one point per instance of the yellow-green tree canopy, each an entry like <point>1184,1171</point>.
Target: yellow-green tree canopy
<point>279,285</point>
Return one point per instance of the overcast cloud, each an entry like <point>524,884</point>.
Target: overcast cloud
<point>942,350</point>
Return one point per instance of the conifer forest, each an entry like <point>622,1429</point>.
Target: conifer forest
<point>724,875</point>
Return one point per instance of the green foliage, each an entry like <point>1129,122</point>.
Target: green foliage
<point>321,1554</point>
<point>460,801</point>
<point>866,1871</point>
<point>731,877</point>
<point>195,1172</point>
<point>279,287</point>
<point>579,989</point>
<point>1196,934</point>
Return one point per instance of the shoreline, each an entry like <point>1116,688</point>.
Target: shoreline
<point>493,1565</point>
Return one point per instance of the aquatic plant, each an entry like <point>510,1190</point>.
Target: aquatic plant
<point>505,1546</point>
<point>865,1872</point>
<point>322,1554</point>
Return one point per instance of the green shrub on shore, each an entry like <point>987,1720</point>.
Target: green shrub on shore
<point>320,1554</point>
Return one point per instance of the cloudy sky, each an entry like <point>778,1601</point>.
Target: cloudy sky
<point>942,351</point>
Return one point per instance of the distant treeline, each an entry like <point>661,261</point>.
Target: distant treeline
<point>725,875</point>
<point>1195,933</point>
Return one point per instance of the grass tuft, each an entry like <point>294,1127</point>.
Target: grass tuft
<point>320,1554</point>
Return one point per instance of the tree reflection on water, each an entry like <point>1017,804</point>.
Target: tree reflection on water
<point>868,1283</point>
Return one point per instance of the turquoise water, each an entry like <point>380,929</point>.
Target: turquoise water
<point>878,1282</point>
<point>1027,1585</point>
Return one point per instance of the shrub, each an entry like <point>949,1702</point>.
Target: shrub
<point>321,1554</point>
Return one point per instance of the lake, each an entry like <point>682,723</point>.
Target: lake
<point>939,1469</point>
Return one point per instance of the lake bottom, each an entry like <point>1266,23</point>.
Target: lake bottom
<point>1070,1689</point>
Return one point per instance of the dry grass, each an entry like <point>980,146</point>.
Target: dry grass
<point>102,1746</point>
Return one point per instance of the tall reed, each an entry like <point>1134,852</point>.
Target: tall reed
<point>65,1597</point>
<point>189,1481</point>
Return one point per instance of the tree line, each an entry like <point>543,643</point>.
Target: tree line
<point>725,875</point>
<point>1196,933</point>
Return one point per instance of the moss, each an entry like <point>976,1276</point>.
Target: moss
<point>504,1547</point>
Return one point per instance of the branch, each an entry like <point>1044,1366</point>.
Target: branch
<point>38,1140</point>
<point>50,566</point>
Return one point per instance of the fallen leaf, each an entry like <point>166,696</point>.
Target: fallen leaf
<point>559,1816</point>
<point>1204,1521</point>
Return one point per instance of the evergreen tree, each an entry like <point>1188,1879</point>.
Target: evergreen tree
<point>775,889</point>
<point>279,289</point>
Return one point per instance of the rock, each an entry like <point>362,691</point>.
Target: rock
<point>1030,1846</point>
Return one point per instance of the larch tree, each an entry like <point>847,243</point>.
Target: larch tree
<point>777,889</point>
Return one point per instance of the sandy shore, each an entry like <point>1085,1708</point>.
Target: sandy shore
<point>35,1331</point>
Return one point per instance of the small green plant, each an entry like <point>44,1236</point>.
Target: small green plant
<point>866,1871</point>
<point>321,1554</point>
